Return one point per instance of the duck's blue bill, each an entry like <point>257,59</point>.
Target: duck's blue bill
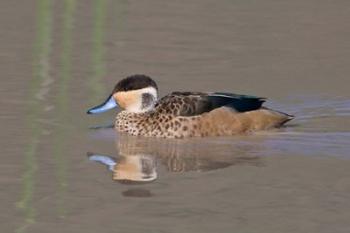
<point>107,105</point>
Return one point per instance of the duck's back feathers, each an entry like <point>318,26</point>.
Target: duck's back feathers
<point>196,103</point>
<point>240,103</point>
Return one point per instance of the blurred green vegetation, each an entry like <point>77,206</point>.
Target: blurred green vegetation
<point>41,93</point>
<point>41,70</point>
<point>98,50</point>
<point>62,104</point>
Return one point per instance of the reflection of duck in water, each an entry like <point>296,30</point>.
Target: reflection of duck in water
<point>137,158</point>
<point>186,114</point>
<point>135,168</point>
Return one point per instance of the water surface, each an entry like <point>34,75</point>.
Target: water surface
<point>59,58</point>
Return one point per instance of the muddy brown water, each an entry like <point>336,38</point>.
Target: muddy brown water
<point>60,57</point>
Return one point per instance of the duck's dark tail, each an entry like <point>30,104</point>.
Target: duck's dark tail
<point>273,118</point>
<point>288,118</point>
<point>285,117</point>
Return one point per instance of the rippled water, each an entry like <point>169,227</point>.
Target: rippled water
<point>59,58</point>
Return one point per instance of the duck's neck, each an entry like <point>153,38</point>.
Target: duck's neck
<point>134,123</point>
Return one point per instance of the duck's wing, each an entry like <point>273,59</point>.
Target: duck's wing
<point>196,103</point>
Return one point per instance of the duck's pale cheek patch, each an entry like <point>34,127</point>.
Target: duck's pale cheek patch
<point>125,99</point>
<point>119,97</point>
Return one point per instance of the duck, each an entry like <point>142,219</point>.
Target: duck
<point>186,114</point>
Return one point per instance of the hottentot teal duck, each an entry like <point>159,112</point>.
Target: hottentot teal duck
<point>186,114</point>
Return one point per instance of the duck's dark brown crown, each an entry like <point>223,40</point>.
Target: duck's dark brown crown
<point>135,82</point>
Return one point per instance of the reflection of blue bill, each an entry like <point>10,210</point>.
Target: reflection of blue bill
<point>104,159</point>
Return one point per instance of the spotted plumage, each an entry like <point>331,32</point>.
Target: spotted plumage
<point>186,114</point>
